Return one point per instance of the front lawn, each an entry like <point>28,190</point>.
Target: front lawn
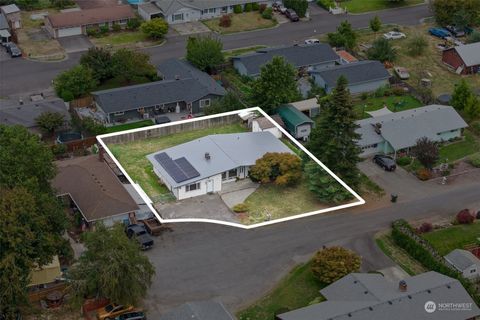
<point>124,39</point>
<point>458,150</point>
<point>296,290</point>
<point>246,21</point>
<point>454,237</point>
<point>128,126</point>
<point>132,155</point>
<point>393,103</point>
<point>359,6</point>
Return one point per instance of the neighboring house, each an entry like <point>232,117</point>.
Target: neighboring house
<point>199,310</point>
<point>180,11</point>
<point>94,189</point>
<point>12,13</point>
<point>262,124</point>
<point>317,56</point>
<point>74,23</point>
<point>397,131</point>
<point>464,59</point>
<point>203,165</point>
<point>184,89</point>
<point>4,29</point>
<point>90,4</point>
<point>297,123</point>
<point>309,107</point>
<point>362,76</point>
<point>41,277</point>
<point>362,296</point>
<point>464,262</point>
<point>25,114</point>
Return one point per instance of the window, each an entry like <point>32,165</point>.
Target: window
<point>224,176</point>
<point>177,17</point>
<point>211,10</point>
<point>204,103</point>
<point>232,173</point>
<point>120,113</point>
<point>192,187</point>
<point>473,270</point>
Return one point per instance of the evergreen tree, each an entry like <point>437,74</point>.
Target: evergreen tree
<point>334,140</point>
<point>324,186</point>
<point>460,95</point>
<point>375,24</point>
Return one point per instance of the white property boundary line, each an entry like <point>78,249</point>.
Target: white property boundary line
<point>149,202</point>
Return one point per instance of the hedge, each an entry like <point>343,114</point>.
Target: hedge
<point>327,4</point>
<point>421,250</point>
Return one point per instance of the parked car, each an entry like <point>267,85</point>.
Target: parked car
<point>312,41</point>
<point>456,31</point>
<point>13,50</point>
<point>439,33</point>
<point>112,310</point>
<point>292,15</point>
<point>453,41</point>
<point>278,6</point>
<point>134,315</point>
<point>402,73</point>
<point>140,234</point>
<point>394,35</point>
<point>385,162</point>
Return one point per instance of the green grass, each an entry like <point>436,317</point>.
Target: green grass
<point>359,6</point>
<point>393,103</point>
<point>241,84</point>
<point>132,155</point>
<point>123,38</point>
<point>454,237</point>
<point>296,290</point>
<point>128,126</point>
<point>458,150</point>
<point>398,255</point>
<point>246,21</point>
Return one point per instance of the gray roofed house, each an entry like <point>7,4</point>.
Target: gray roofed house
<point>211,161</point>
<point>317,56</point>
<point>465,262</point>
<point>362,76</point>
<point>12,13</point>
<point>199,310</point>
<point>401,130</point>
<point>372,297</point>
<point>185,89</point>
<point>3,22</point>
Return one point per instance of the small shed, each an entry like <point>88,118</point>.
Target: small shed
<point>464,262</point>
<point>262,124</point>
<point>296,122</point>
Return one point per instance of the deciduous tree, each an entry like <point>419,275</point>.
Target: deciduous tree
<point>426,151</point>
<point>74,83</point>
<point>50,121</point>
<point>99,60</point>
<point>229,102</point>
<point>204,52</point>
<point>155,29</point>
<point>130,65</point>
<point>331,264</point>
<point>345,36</point>
<point>279,168</point>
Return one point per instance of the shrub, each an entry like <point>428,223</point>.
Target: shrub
<point>364,96</point>
<point>116,27</point>
<point>425,227</point>
<point>279,168</point>
<point>92,32</point>
<point>225,21</point>
<point>255,6</point>
<point>248,7</point>
<point>262,7</point>
<point>241,207</point>
<point>380,92</point>
<point>133,24</point>
<point>59,149</point>
<point>331,264</point>
<point>398,91</point>
<point>104,29</point>
<point>404,161</point>
<point>326,4</point>
<point>417,45</point>
<point>424,174</point>
<point>155,29</point>
<point>238,8</point>
<point>267,13</point>
<point>474,160</point>
<point>465,217</point>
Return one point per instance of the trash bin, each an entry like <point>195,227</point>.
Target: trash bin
<point>393,197</point>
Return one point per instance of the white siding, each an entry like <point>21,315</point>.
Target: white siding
<point>303,131</point>
<point>67,32</point>
<point>471,272</point>
<point>217,186</point>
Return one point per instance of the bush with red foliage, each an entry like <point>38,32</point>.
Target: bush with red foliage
<point>425,227</point>
<point>424,174</point>
<point>465,217</point>
<point>225,21</point>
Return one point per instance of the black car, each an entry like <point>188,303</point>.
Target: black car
<point>386,162</point>
<point>292,15</point>
<point>13,50</point>
<point>140,234</point>
<point>133,315</point>
<point>162,119</point>
<point>457,32</point>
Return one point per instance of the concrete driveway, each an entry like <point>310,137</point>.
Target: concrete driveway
<point>75,43</point>
<point>4,56</point>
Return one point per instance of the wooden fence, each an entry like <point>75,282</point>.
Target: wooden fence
<point>80,144</point>
<point>81,102</point>
<point>36,296</point>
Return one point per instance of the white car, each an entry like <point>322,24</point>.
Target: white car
<point>394,35</point>
<point>402,73</point>
<point>312,41</point>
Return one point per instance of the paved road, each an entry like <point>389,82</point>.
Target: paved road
<point>201,261</point>
<point>19,75</point>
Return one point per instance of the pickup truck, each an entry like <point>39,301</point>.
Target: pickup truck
<point>153,226</point>
<point>138,232</point>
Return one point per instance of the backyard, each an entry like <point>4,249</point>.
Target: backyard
<point>128,126</point>
<point>454,237</point>
<point>246,21</point>
<point>393,103</point>
<point>295,290</point>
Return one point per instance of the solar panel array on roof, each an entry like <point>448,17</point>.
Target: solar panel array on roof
<point>180,169</point>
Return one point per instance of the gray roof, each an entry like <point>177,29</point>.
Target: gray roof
<point>372,297</point>
<point>403,129</point>
<point>10,8</point>
<point>200,310</point>
<point>462,259</point>
<point>3,22</point>
<point>299,56</point>
<point>356,72</point>
<point>169,7</point>
<point>149,7</point>
<point>227,151</point>
<point>25,114</point>
<point>191,86</point>
<point>470,53</point>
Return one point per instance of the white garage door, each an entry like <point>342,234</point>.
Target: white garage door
<point>67,32</point>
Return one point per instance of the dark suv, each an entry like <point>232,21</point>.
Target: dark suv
<point>140,234</point>
<point>292,15</point>
<point>386,162</point>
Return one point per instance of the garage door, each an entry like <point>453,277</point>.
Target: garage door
<point>67,32</point>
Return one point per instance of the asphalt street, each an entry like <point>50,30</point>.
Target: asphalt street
<point>19,76</point>
<point>197,261</point>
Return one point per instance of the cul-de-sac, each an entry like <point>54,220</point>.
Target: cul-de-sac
<point>239,159</point>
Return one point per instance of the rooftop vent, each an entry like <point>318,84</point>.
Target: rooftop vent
<point>207,155</point>
<point>402,286</point>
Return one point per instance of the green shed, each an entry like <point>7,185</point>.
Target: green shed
<point>296,122</point>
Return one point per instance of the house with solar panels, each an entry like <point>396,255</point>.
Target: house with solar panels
<point>203,165</point>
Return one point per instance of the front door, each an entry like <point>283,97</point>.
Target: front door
<point>209,186</point>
